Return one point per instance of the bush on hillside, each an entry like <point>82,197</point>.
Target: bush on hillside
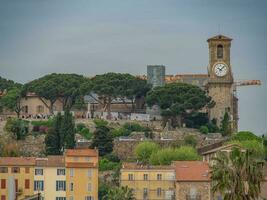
<point>85,132</point>
<point>144,150</point>
<point>100,122</point>
<point>18,127</point>
<point>167,155</point>
<point>204,130</point>
<point>105,164</point>
<point>80,126</point>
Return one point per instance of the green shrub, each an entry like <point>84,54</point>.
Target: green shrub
<point>85,132</point>
<point>80,126</point>
<point>204,130</point>
<point>120,132</point>
<point>144,150</point>
<point>105,164</point>
<point>190,140</point>
<point>167,155</point>
<point>100,122</point>
<point>112,157</point>
<point>18,127</point>
<point>48,123</point>
<point>245,135</point>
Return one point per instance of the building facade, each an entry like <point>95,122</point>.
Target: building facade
<point>73,175</point>
<point>81,174</point>
<point>16,177</point>
<point>182,180</point>
<point>149,182</point>
<point>50,177</point>
<point>192,180</point>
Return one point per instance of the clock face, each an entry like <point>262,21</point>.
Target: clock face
<point>220,69</point>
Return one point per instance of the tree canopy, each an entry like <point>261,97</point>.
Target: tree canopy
<point>102,140</point>
<point>178,99</point>
<point>62,134</point>
<point>237,176</point>
<point>12,100</point>
<point>6,84</point>
<point>110,86</point>
<point>66,87</point>
<point>167,155</point>
<point>144,150</point>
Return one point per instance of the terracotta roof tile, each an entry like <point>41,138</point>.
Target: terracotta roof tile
<point>17,161</point>
<point>191,171</point>
<point>51,161</point>
<point>81,152</point>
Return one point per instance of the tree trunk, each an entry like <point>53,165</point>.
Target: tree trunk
<point>109,108</point>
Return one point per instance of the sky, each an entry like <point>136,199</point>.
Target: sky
<point>91,37</point>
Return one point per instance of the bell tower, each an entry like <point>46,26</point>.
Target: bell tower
<point>220,80</point>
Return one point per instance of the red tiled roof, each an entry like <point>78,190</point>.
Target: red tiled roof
<point>191,171</point>
<point>51,161</point>
<point>81,152</point>
<point>17,161</point>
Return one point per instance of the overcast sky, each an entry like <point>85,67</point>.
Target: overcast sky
<point>96,36</point>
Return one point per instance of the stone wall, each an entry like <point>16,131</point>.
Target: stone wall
<point>201,189</point>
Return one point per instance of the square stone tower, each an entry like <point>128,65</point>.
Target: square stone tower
<point>220,80</point>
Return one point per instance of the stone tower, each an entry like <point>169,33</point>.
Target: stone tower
<point>220,80</point>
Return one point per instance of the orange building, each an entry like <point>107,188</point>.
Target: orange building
<point>16,177</point>
<point>81,174</point>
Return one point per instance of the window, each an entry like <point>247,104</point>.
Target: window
<point>71,172</point>
<point>3,197</point>
<point>3,170</point>
<point>15,169</point>
<point>76,159</point>
<point>38,185</point>
<point>27,170</point>
<point>158,192</point>
<point>60,198</point>
<point>87,158</point>
<point>145,193</point>
<point>89,198</point>
<point>130,177</point>
<point>71,186</point>
<point>16,184</point>
<point>145,177</point>
<point>159,177</point>
<point>3,183</point>
<point>219,51</point>
<point>60,171</point>
<point>60,185</point>
<point>27,183</point>
<point>89,173</point>
<point>40,109</point>
<point>39,172</point>
<point>89,187</point>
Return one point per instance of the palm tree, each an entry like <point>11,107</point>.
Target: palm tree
<point>237,176</point>
<point>119,193</point>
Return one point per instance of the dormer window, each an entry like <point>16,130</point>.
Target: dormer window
<point>219,51</point>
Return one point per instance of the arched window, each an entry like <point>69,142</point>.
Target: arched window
<point>219,51</point>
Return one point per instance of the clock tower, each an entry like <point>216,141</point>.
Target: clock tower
<point>220,80</point>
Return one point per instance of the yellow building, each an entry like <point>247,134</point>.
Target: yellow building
<point>16,177</point>
<point>149,182</point>
<point>81,174</point>
<point>50,178</point>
